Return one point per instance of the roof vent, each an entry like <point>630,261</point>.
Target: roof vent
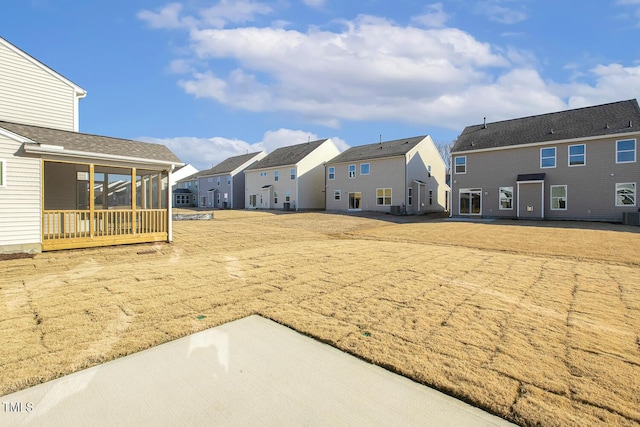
<point>484,126</point>
<point>380,138</point>
<point>551,132</point>
<point>472,143</point>
<point>630,124</point>
<point>606,125</point>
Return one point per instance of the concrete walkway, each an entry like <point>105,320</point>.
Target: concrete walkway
<point>248,372</point>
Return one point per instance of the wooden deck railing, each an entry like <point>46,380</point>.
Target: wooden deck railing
<point>77,224</point>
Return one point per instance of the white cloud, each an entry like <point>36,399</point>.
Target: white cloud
<point>314,3</point>
<point>435,16</point>
<point>168,17</point>
<point>499,11</point>
<point>205,153</point>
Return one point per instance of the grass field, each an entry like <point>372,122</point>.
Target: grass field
<point>536,322</point>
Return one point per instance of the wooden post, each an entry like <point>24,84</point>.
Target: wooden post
<point>134,203</point>
<point>92,201</point>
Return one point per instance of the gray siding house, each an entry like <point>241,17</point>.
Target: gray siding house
<point>222,186</point>
<point>408,174</point>
<point>577,164</point>
<point>290,177</point>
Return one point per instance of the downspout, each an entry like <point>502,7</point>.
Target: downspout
<point>297,178</point>
<point>406,173</point>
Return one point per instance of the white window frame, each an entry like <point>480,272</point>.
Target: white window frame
<point>287,196</point>
<point>218,199</point>
<point>500,198</point>
<point>555,157</point>
<point>275,197</point>
<point>635,194</point>
<point>552,197</point>
<point>337,195</point>
<point>276,176</point>
<point>584,155</point>
<point>455,165</point>
<point>469,192</point>
<point>352,173</point>
<point>3,173</point>
<point>218,181</point>
<point>431,197</point>
<point>210,179</point>
<point>384,197</point>
<point>635,147</point>
<point>368,168</point>
<point>263,173</point>
<point>292,173</point>
<point>332,173</point>
<point>228,179</point>
<point>410,196</point>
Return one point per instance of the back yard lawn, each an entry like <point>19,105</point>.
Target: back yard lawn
<point>536,322</point>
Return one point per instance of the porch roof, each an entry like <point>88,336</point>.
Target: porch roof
<point>530,177</point>
<point>57,142</point>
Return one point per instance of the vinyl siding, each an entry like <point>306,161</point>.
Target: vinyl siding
<point>33,96</point>
<point>311,172</point>
<point>426,154</point>
<point>590,188</point>
<point>20,198</point>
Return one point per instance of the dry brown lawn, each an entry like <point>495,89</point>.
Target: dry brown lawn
<point>536,322</point>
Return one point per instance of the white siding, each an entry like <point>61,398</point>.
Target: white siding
<point>311,191</point>
<point>424,155</point>
<point>20,198</point>
<point>31,95</point>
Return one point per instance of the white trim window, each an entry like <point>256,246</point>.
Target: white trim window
<point>626,151</point>
<point>352,171</point>
<point>410,196</point>
<point>547,157</point>
<point>276,176</point>
<point>505,199</point>
<point>460,165</point>
<point>263,174</point>
<point>218,181</point>
<point>383,197</point>
<point>228,179</point>
<point>3,173</point>
<point>470,201</point>
<point>210,179</point>
<point>287,196</point>
<point>275,197</point>
<point>332,173</point>
<point>558,197</point>
<point>626,194</point>
<point>292,172</point>
<point>365,168</point>
<point>337,195</point>
<point>577,155</point>
<point>218,200</point>
<point>431,197</point>
<point>355,201</point>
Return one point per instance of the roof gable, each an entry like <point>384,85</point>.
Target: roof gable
<point>228,165</point>
<point>81,92</point>
<point>398,147</point>
<point>600,120</point>
<point>92,145</point>
<point>289,155</point>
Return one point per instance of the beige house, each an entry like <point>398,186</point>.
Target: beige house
<point>63,189</point>
<point>290,178</point>
<point>575,164</point>
<point>402,176</point>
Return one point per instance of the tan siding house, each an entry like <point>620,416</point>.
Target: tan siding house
<point>63,189</point>
<point>576,164</point>
<point>403,176</point>
<point>290,177</point>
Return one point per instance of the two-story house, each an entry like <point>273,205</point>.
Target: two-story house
<point>222,186</point>
<point>63,189</point>
<point>290,178</point>
<point>575,164</point>
<point>402,176</point>
<point>185,193</point>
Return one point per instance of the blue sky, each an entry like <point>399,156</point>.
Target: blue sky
<point>218,78</point>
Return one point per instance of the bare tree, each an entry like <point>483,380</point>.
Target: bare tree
<point>445,152</point>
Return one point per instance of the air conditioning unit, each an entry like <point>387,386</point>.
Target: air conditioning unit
<point>396,210</point>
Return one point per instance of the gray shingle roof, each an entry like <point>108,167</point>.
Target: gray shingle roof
<point>398,147</point>
<point>88,143</point>
<point>226,166</point>
<point>289,155</point>
<point>599,120</point>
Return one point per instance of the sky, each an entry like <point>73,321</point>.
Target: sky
<point>213,79</point>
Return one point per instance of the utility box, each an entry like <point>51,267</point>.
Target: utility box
<point>396,210</point>
<point>631,218</point>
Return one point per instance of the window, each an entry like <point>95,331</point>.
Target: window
<point>558,197</point>
<point>275,197</point>
<point>218,200</point>
<point>626,151</point>
<point>210,179</point>
<point>293,173</point>
<point>263,174</point>
<point>276,175</point>
<point>429,171</point>
<point>461,164</point>
<point>506,198</point>
<point>548,157</point>
<point>577,155</point>
<point>287,196</point>
<point>626,194</point>
<point>352,171</point>
<point>2,170</point>
<point>364,169</point>
<point>336,195</point>
<point>228,179</point>
<point>252,200</point>
<point>332,172</point>
<point>383,196</point>
<point>355,200</point>
<point>410,196</point>
<point>218,181</point>
<point>430,197</point>
<point>470,201</point>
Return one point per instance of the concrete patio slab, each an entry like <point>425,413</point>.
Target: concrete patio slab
<point>248,372</point>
